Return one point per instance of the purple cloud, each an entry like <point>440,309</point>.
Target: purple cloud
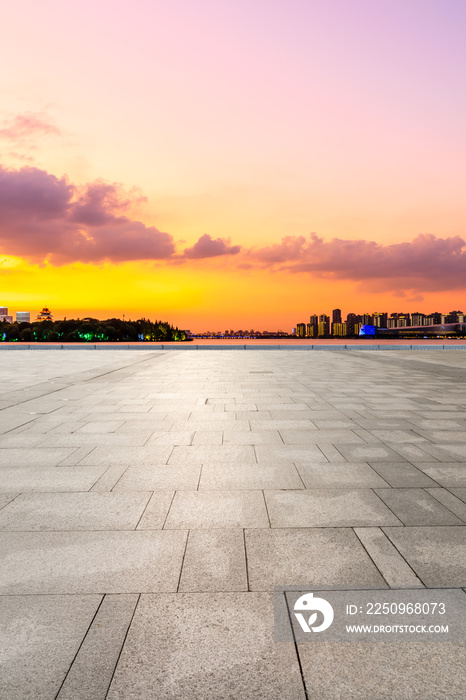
<point>43,217</point>
<point>208,247</point>
<point>426,263</point>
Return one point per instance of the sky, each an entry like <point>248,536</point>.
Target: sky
<point>226,164</point>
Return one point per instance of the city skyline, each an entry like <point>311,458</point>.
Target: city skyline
<point>230,163</point>
<point>319,325</point>
<point>324,325</point>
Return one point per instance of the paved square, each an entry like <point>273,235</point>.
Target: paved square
<point>151,500</point>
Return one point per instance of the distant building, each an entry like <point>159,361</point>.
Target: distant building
<point>403,320</point>
<point>339,330</point>
<point>301,330</point>
<point>23,317</point>
<point>4,315</point>
<point>44,315</point>
<point>418,319</point>
<point>351,321</point>
<point>324,325</point>
<point>380,319</point>
<point>336,316</point>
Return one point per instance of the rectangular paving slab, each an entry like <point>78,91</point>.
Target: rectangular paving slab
<point>369,453</point>
<point>205,454</point>
<point>74,511</point>
<point>402,474</point>
<point>384,671</point>
<point>127,456</point>
<point>33,457</point>
<point>54,479</point>
<point>317,556</point>
<point>90,562</point>
<point>450,474</point>
<point>328,508</point>
<point>289,453</point>
<point>159,478</point>
<point>206,645</point>
<point>416,507</point>
<point>215,560</point>
<point>343,475</point>
<point>437,554</point>
<point>226,477</point>
<point>217,509</point>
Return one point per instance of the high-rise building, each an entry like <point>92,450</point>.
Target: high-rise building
<point>314,323</point>
<point>23,317</point>
<point>336,316</point>
<point>3,311</point>
<point>351,321</point>
<point>301,330</point>
<point>403,320</point>
<point>324,325</point>
<point>339,330</point>
<point>380,319</point>
<point>418,319</point>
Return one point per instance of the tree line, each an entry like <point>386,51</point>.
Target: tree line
<point>90,330</point>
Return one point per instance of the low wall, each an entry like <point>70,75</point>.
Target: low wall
<point>192,346</point>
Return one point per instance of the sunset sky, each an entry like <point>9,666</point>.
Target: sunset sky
<point>232,163</point>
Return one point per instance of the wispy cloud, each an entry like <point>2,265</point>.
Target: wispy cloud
<point>23,127</point>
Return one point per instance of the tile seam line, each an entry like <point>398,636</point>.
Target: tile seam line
<point>248,584</point>
<point>298,658</point>
<point>122,645</point>
<point>373,489</point>
<point>188,533</point>
<point>424,488</point>
<point>372,558</point>
<point>80,646</point>
<point>143,511</point>
<point>387,535</point>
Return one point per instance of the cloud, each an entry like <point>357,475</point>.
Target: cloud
<point>30,124</point>
<point>427,263</point>
<point>208,247</point>
<point>43,217</point>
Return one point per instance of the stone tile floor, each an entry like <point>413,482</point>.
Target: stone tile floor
<point>150,501</point>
